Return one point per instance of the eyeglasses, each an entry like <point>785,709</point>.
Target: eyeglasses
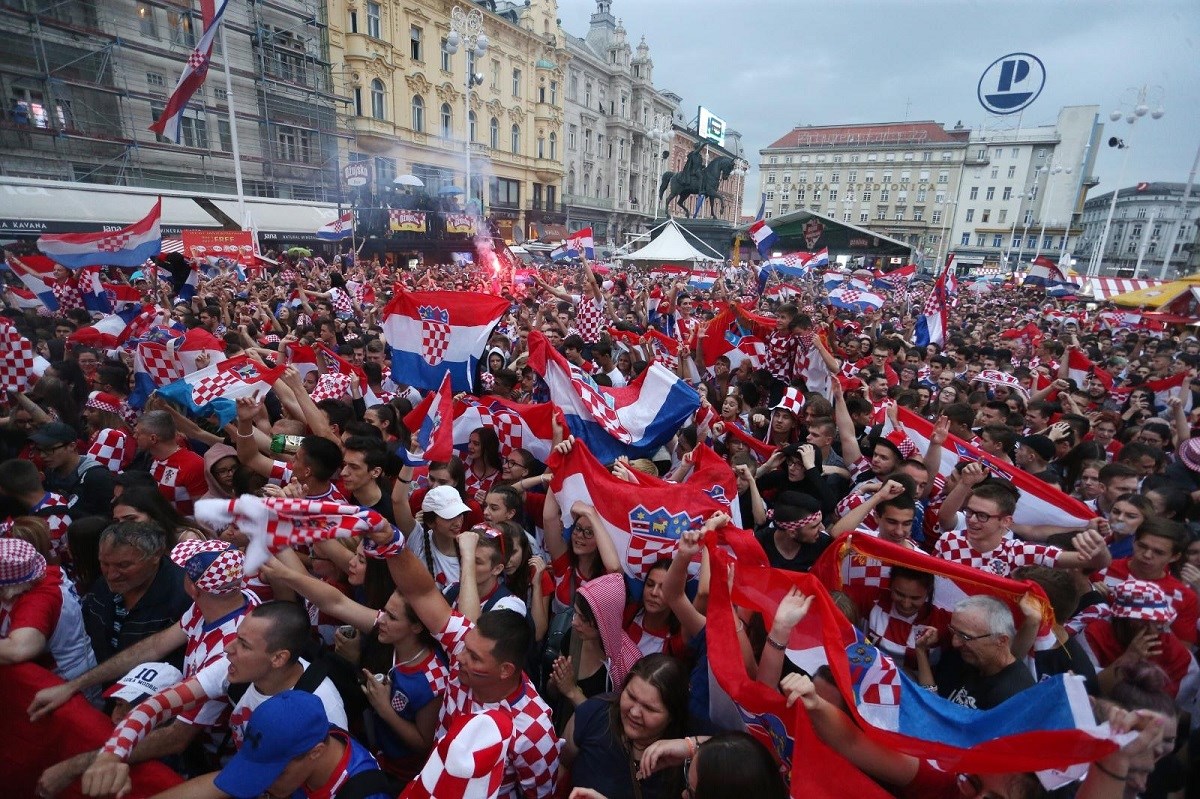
<point>48,450</point>
<point>979,515</point>
<point>583,532</point>
<point>514,464</point>
<point>966,639</point>
<point>225,470</point>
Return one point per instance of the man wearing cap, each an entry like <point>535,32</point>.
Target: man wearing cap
<point>213,578</point>
<point>1034,453</point>
<point>796,536</point>
<point>71,474</point>
<point>486,659</point>
<point>1138,630</point>
<point>178,471</point>
<point>263,661</point>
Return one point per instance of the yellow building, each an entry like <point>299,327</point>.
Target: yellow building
<point>408,109</point>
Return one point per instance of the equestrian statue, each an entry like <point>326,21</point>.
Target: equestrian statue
<point>696,179</point>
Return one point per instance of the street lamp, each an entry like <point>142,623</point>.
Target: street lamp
<point>466,30</point>
<point>942,242</point>
<point>1031,195</point>
<point>1053,168</point>
<point>1138,110</point>
<point>1020,198</point>
<point>662,134</point>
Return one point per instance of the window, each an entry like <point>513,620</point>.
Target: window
<point>833,195</point>
<point>1003,217</point>
<point>966,239</point>
<point>854,159</point>
<point>864,216</point>
<point>918,213</point>
<point>385,170</point>
<point>936,217</point>
<point>414,43</point>
<point>572,132</point>
<point>507,192</point>
<point>881,213</point>
<point>986,216</point>
<point>784,208</point>
<point>553,93</point>
<point>587,94</point>
<point>541,147</point>
<point>155,79</point>
<point>181,28</point>
<point>495,69</point>
<point>221,95</point>
<point>374,23</point>
<point>926,156</point>
<point>194,130</point>
<point>939,197</point>
<point>800,194</point>
<point>494,134</point>
<point>553,146</point>
<point>852,177</point>
<point>1012,172</point>
<point>802,177</point>
<point>887,177</point>
<point>1028,217</point>
<point>819,178</point>
<point>836,177</point>
<point>447,119</point>
<point>354,22</point>
<point>472,124</point>
<point>224,136</point>
<point>837,159</point>
<point>587,141</point>
<point>516,138</point>
<point>770,196</point>
<point>771,177</point>
<point>787,178</point>
<point>970,215</point>
<point>885,196</point>
<point>846,216</point>
<point>516,86</point>
<point>905,176</point>
<point>923,176</point>
<point>358,106</point>
<point>294,144</point>
<point>1016,242</point>
<point>866,196</point>
<point>816,195</point>
<point>573,87</point>
<point>445,56</point>
<point>922,194</point>
<point>890,157</point>
<point>624,106</point>
<point>1041,153</point>
<point>995,172</point>
<point>991,192</point>
<point>418,114</point>
<point>869,177</point>
<point>146,22</point>
<point>1007,195</point>
<point>997,240</point>
<point>377,99</point>
<point>943,177</point>
<point>979,240</point>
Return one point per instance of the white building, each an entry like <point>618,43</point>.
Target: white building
<point>1145,226</point>
<point>1022,191</point>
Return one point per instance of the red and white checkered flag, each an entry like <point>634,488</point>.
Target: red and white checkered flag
<point>20,365</point>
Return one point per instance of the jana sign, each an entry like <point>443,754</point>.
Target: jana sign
<point>1011,83</point>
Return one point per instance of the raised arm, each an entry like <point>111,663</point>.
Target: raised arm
<point>845,425</point>
<point>248,453</point>
<point>414,581</point>
<point>604,543</point>
<point>326,597</point>
<point>791,611</point>
<point>854,519</point>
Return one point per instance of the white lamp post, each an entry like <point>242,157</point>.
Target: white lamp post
<point>466,29</point>
<point>1052,169</point>
<point>661,134</point>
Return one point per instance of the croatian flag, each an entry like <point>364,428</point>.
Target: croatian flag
<point>853,299</point>
<point>831,280</point>
<point>646,520</point>
<point>37,273</point>
<point>581,241</point>
<point>760,232</point>
<point>195,344</point>
<point>129,247</point>
<point>95,298</point>
<point>1040,502</point>
<point>819,259</point>
<point>303,357</point>
<point>170,123</point>
<point>215,389</point>
<point>1048,726</point>
<point>1044,272</point>
<point>337,230</point>
<point>1080,368</point>
<point>517,425</point>
<point>633,421</point>
<point>703,279</point>
<point>793,266</point>
<point>1164,389</point>
<point>20,365</point>
<point>890,281</point>
<point>435,332</point>
<point>725,335</point>
<point>154,366</point>
<point>23,299</point>
<point>111,331</point>
<point>431,423</point>
<point>932,324</point>
<point>188,290</point>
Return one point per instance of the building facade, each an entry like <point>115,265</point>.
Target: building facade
<point>1148,225</point>
<point>897,178</point>
<point>410,111</point>
<point>84,81</point>
<point>1022,191</point>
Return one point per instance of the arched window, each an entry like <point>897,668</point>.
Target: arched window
<point>553,146</point>
<point>471,125</point>
<point>418,114</point>
<point>541,147</point>
<point>599,186</point>
<point>571,181</point>
<point>494,134</point>
<point>447,121</point>
<point>378,99</point>
<point>516,138</point>
<point>587,184</point>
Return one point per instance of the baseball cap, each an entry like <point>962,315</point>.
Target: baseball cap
<point>53,434</point>
<point>142,681</point>
<point>1040,444</point>
<point>444,501</point>
<point>281,729</point>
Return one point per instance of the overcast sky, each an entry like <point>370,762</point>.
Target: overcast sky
<point>766,66</point>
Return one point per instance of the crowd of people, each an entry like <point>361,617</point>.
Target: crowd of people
<point>469,641</point>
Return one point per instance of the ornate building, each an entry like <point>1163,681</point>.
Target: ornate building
<point>411,111</point>
<point>1148,224</point>
<point>612,159</point>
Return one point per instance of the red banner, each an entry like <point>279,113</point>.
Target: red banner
<point>233,245</point>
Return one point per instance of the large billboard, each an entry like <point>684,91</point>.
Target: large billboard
<point>711,127</point>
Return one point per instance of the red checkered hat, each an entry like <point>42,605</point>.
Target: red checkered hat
<point>469,761</point>
<point>19,562</point>
<point>214,566</point>
<point>900,442</point>
<point>793,400</point>
<point>103,401</point>
<point>1139,599</point>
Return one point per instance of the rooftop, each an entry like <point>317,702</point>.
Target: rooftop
<point>920,132</point>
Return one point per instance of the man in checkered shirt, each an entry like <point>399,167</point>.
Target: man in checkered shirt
<point>178,471</point>
<point>986,542</point>
<point>486,660</point>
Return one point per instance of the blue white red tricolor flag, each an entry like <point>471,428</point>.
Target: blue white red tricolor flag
<point>111,331</point>
<point>169,124</point>
<point>215,389</point>
<point>130,246</point>
<point>579,243</point>
<point>760,232</point>
<point>633,421</point>
<point>854,299</point>
<point>517,425</point>
<point>337,230</point>
<point>1044,272</point>
<point>431,423</point>
<point>37,273</point>
<point>434,332</point>
<point>933,321</point>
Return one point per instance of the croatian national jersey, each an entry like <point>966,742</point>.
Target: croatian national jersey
<point>896,635</point>
<point>206,644</point>
<point>648,643</point>
<point>180,479</point>
<point>1183,599</point>
<point>533,759</point>
<point>1010,554</point>
<point>412,688</point>
<point>55,510</point>
<point>589,318</point>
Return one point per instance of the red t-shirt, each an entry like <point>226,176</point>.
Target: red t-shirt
<point>180,479</point>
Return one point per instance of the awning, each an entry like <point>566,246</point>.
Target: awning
<point>1104,287</point>
<point>282,219</point>
<point>550,233</point>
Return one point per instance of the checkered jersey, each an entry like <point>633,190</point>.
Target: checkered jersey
<point>589,318</point>
<point>648,643</point>
<point>533,760</point>
<point>342,307</point>
<point>68,295</point>
<point>896,635</point>
<point>180,479</point>
<point>1010,554</point>
<point>281,475</point>
<point>781,355</point>
<point>16,359</point>
<point>477,487</point>
<point>1183,599</point>
<point>54,509</point>
<point>112,448</point>
<point>852,501</point>
<point>205,645</point>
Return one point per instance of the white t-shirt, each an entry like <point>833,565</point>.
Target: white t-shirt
<point>445,567</point>
<point>214,679</point>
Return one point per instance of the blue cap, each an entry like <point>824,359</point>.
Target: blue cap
<point>281,729</point>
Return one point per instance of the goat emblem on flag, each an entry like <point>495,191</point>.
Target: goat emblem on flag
<point>652,536</point>
<point>435,333</point>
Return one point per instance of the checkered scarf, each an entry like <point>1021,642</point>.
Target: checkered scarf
<point>216,567</point>
<point>20,563</point>
<point>275,523</point>
<point>331,386</point>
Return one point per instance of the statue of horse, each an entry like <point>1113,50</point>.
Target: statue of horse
<point>706,184</point>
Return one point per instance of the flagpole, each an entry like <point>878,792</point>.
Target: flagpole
<point>233,131</point>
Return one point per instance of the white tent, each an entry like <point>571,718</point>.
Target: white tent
<point>671,245</point>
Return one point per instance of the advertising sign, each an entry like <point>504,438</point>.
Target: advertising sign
<point>234,245</point>
<point>712,127</point>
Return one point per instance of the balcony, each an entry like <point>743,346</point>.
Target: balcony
<point>364,48</point>
<point>589,202</point>
<point>977,160</point>
<point>373,135</point>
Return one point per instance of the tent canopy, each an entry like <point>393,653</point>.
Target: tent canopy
<point>1157,297</point>
<point>671,245</point>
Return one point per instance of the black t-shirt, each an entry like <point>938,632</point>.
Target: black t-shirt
<point>1069,657</point>
<point>805,557</point>
<point>962,684</point>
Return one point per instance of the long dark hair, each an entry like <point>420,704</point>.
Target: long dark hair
<point>149,501</point>
<point>668,676</point>
<point>733,765</point>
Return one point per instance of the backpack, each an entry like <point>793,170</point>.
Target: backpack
<point>369,783</point>
<point>309,682</point>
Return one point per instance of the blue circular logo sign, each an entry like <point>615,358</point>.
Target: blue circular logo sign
<point>1011,83</point>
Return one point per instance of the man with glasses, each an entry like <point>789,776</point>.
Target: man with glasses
<point>75,476</point>
<point>980,670</point>
<point>986,543</point>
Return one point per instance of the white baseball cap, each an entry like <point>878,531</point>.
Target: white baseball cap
<point>444,501</point>
<point>143,681</point>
